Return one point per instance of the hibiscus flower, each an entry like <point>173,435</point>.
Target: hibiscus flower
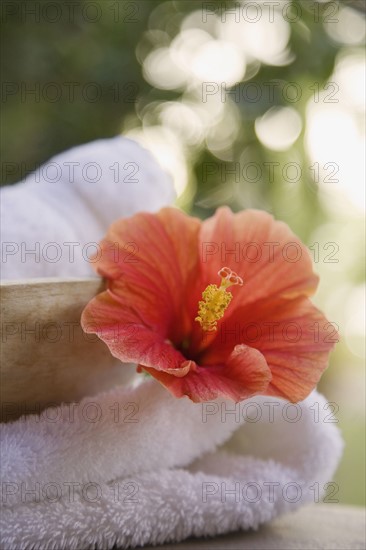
<point>213,308</point>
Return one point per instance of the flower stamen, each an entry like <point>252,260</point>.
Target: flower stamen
<point>216,299</point>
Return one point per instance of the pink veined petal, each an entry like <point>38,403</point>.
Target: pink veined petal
<point>127,338</point>
<point>293,335</point>
<point>150,262</point>
<point>245,374</point>
<point>264,252</point>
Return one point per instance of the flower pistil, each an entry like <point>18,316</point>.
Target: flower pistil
<point>216,299</point>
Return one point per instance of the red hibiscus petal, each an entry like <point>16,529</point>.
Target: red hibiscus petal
<point>264,252</point>
<point>245,374</point>
<point>150,260</point>
<point>127,337</point>
<point>293,335</point>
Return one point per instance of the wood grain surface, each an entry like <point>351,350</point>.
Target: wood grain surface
<point>46,358</point>
<point>314,527</point>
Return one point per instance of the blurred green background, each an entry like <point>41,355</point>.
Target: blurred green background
<point>251,104</point>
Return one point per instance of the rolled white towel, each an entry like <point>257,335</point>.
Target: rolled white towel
<point>110,484</point>
<point>52,221</point>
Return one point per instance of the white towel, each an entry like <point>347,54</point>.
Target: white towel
<point>53,220</point>
<point>136,466</point>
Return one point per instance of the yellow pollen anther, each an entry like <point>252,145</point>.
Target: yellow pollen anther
<point>216,299</point>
